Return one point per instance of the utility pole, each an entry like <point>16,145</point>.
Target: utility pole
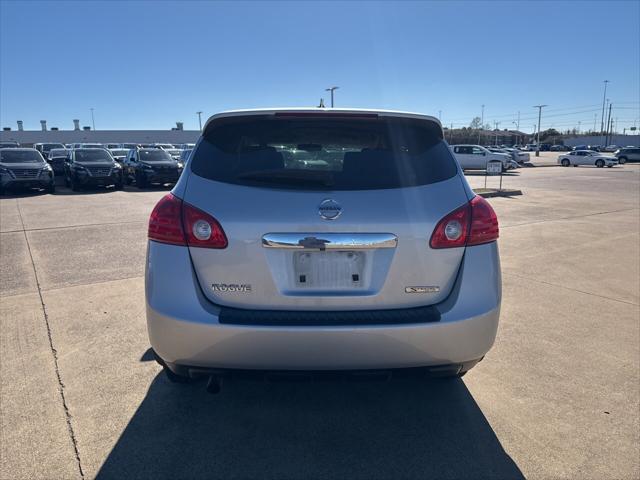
<point>496,124</point>
<point>595,121</point>
<point>539,107</point>
<point>481,124</point>
<point>93,120</point>
<point>440,115</point>
<point>603,98</point>
<point>609,120</point>
<point>331,89</point>
<point>199,119</point>
<point>606,132</point>
<point>579,127</point>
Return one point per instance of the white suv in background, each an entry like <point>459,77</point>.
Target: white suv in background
<point>475,157</point>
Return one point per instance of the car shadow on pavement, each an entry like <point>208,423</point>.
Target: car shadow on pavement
<point>395,429</point>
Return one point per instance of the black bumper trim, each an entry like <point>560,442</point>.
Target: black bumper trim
<point>237,316</point>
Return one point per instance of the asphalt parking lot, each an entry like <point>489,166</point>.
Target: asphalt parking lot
<point>558,396</point>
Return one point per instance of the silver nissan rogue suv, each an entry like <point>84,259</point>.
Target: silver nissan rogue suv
<point>310,241</point>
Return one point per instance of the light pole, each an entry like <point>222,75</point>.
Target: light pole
<point>539,107</point>
<point>481,124</point>
<point>440,115</point>
<point>603,99</point>
<point>496,124</point>
<point>331,89</point>
<point>579,127</point>
<point>199,119</point>
<point>93,121</point>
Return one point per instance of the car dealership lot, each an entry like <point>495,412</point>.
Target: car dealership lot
<point>558,395</point>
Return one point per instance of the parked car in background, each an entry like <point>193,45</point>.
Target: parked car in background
<point>91,145</point>
<point>109,146</point>
<point>44,148</point>
<point>119,154</point>
<point>610,148</point>
<point>56,158</point>
<point>164,146</point>
<point>628,154</point>
<point>530,147</point>
<point>92,167</point>
<point>186,146</point>
<point>25,168</point>
<point>517,155</point>
<point>9,144</point>
<point>476,157</point>
<point>174,152</point>
<point>184,157</point>
<point>587,157</point>
<point>146,166</point>
<point>128,146</point>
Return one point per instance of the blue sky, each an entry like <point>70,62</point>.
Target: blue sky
<point>148,64</point>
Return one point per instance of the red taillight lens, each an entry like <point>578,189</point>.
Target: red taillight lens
<point>472,224</point>
<point>452,230</point>
<point>201,229</point>
<point>164,224</point>
<point>484,222</point>
<point>178,223</point>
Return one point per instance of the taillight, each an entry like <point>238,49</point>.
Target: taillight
<point>474,223</point>
<point>484,222</point>
<point>178,223</point>
<point>201,229</point>
<point>164,224</point>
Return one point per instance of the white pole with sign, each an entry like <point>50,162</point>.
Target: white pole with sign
<point>494,167</point>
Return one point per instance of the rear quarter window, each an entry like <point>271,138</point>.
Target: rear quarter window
<point>323,153</point>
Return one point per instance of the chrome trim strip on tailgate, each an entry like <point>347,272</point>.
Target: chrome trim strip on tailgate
<point>329,241</point>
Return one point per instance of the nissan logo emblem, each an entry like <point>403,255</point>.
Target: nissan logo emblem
<point>329,209</point>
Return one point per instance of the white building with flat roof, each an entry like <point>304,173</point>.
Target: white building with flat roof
<point>29,137</point>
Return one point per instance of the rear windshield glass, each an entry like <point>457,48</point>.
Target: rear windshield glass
<point>324,153</point>
<point>20,156</point>
<point>58,152</point>
<point>154,155</point>
<point>92,155</point>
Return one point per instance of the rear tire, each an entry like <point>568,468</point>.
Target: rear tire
<point>622,160</point>
<point>599,163</point>
<point>565,162</point>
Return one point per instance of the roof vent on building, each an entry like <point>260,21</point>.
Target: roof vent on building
<point>43,124</point>
<point>54,129</point>
<point>76,124</point>
<point>180,126</point>
<point>6,129</point>
<point>20,127</point>
<point>86,129</point>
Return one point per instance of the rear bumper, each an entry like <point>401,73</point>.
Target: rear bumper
<point>26,182</point>
<point>184,329</point>
<point>171,177</point>
<point>98,181</point>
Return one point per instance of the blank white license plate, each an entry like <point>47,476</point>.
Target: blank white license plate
<point>328,269</point>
